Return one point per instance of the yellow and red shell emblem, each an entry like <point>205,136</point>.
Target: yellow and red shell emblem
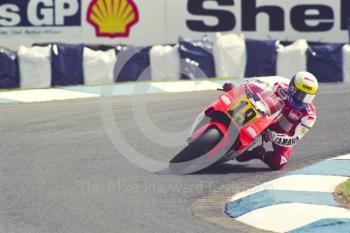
<point>112,18</point>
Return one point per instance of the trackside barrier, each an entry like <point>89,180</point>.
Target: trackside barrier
<point>296,53</point>
<point>349,29</point>
<point>228,55</point>
<point>326,62</point>
<point>165,63</point>
<point>9,77</point>
<point>346,63</point>
<point>194,55</point>
<point>262,58</point>
<point>35,66</point>
<point>132,63</point>
<point>67,65</point>
<point>98,66</point>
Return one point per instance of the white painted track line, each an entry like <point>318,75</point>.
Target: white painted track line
<point>308,183</point>
<point>343,157</point>
<point>291,216</point>
<point>40,95</point>
<point>187,86</point>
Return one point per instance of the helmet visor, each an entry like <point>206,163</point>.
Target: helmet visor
<point>303,97</point>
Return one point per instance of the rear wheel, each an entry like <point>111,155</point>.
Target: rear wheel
<point>198,147</point>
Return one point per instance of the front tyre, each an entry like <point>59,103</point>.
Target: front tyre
<point>197,148</point>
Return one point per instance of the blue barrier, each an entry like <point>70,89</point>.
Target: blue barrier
<point>67,64</point>
<point>9,77</point>
<point>323,60</point>
<point>261,58</point>
<point>326,62</point>
<point>349,29</point>
<point>132,63</point>
<point>197,59</point>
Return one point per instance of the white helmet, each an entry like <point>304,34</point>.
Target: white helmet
<point>302,89</point>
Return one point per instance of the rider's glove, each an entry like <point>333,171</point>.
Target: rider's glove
<point>227,87</point>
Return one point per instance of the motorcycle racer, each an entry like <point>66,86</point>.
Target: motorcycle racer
<point>274,147</point>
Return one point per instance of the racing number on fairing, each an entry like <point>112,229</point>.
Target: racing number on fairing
<point>243,112</point>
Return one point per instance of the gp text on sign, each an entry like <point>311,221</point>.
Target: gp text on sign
<point>39,13</point>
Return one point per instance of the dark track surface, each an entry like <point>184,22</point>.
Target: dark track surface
<point>59,171</point>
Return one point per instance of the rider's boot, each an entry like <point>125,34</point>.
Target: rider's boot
<point>256,153</point>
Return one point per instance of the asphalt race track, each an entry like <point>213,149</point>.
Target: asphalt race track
<point>60,173</point>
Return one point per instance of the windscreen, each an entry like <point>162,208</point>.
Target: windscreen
<point>263,97</point>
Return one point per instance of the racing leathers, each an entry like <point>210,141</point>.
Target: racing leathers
<point>274,147</point>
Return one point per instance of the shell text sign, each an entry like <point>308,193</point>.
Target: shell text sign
<point>112,18</point>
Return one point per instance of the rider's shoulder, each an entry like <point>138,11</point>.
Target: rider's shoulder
<point>310,110</point>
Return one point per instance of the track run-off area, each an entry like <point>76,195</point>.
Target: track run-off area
<point>60,172</point>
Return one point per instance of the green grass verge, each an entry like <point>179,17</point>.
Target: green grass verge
<point>345,188</point>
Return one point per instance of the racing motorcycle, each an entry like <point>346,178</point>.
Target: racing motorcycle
<point>229,126</point>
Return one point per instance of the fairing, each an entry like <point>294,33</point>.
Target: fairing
<point>244,112</point>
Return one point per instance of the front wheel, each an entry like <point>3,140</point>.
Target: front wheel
<point>197,148</point>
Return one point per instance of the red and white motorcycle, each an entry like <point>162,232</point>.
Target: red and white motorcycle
<point>228,127</point>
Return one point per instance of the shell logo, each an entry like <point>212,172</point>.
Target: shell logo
<point>112,18</point>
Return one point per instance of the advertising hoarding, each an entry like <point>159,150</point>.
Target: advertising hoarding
<point>137,22</point>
